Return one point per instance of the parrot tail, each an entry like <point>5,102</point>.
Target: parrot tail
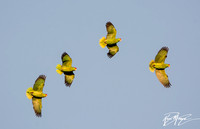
<point>58,67</point>
<point>28,95</point>
<point>101,42</point>
<point>151,68</point>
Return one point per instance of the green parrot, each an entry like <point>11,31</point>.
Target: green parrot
<point>36,94</point>
<point>110,41</point>
<point>66,68</point>
<point>159,66</point>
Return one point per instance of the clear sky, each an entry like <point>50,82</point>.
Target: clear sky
<point>117,93</point>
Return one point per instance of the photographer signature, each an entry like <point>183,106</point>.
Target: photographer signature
<point>174,117</point>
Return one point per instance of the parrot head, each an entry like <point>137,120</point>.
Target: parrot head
<point>75,68</point>
<point>44,95</point>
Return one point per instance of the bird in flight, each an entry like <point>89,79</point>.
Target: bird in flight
<point>110,41</point>
<point>158,65</point>
<point>66,68</point>
<point>36,94</point>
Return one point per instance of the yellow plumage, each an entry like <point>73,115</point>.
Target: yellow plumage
<point>59,72</point>
<point>101,42</point>
<point>151,68</point>
<point>28,95</point>
<point>58,67</point>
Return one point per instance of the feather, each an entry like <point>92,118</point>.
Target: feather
<point>66,60</point>
<point>111,31</point>
<point>69,77</point>
<point>162,55</point>
<point>39,83</point>
<point>37,106</point>
<point>113,49</point>
<point>163,78</point>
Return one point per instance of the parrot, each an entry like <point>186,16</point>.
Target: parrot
<point>110,41</point>
<point>67,69</point>
<point>158,65</point>
<point>36,94</point>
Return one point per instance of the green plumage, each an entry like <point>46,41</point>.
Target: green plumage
<point>111,31</point>
<point>66,60</point>
<point>69,77</point>
<point>110,41</point>
<point>36,94</point>
<point>67,69</point>
<point>159,66</point>
<point>37,106</point>
<point>162,55</point>
<point>39,83</point>
<point>113,49</point>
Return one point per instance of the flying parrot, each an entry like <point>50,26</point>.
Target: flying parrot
<point>36,95</point>
<point>159,66</point>
<point>110,41</point>
<point>66,68</point>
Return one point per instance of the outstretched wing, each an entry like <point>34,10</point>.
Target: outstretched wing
<point>37,106</point>
<point>69,77</point>
<point>113,49</point>
<point>163,78</point>
<point>66,60</point>
<point>39,83</point>
<point>162,55</point>
<point>111,31</point>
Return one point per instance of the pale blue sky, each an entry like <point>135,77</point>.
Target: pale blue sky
<point>117,93</point>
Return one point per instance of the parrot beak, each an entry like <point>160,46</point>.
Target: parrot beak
<point>46,95</point>
<point>168,65</point>
<point>120,39</point>
<point>75,68</point>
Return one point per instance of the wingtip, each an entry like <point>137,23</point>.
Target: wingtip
<point>109,24</point>
<point>68,84</point>
<point>42,76</point>
<point>165,48</point>
<point>38,114</point>
<point>168,85</point>
<point>109,55</point>
<point>64,54</point>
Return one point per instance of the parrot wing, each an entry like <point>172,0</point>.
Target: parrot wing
<point>113,49</point>
<point>111,31</point>
<point>162,55</point>
<point>37,106</point>
<point>69,77</point>
<point>66,60</point>
<point>39,83</point>
<point>163,78</point>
